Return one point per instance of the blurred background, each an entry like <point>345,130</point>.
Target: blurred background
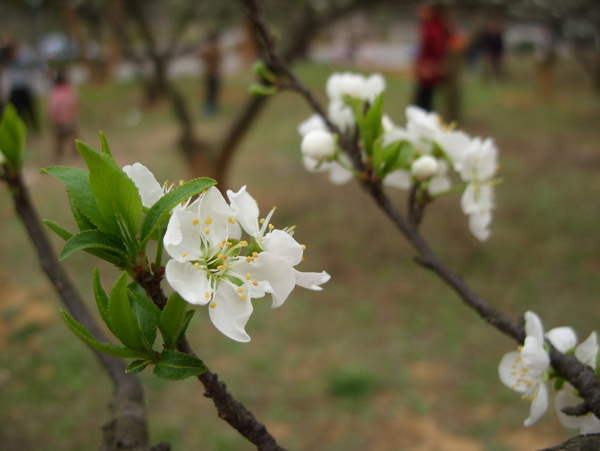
<point>386,357</point>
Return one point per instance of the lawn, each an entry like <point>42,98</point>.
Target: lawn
<point>386,357</point>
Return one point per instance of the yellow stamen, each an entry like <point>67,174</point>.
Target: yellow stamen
<point>195,221</point>
<point>185,254</point>
<point>248,276</point>
<point>207,230</point>
<point>231,220</point>
<point>207,295</point>
<point>262,221</point>
<point>213,304</point>
<point>242,298</point>
<point>240,290</point>
<point>197,265</point>
<point>271,226</point>
<point>303,246</point>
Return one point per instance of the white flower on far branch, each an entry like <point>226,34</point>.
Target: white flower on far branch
<point>424,167</point>
<point>318,145</point>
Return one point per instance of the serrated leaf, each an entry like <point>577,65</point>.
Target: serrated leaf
<point>137,366</point>
<point>171,319</point>
<point>117,197</point>
<point>138,295</point>
<point>56,228</point>
<point>85,335</point>
<point>92,239</point>
<point>174,197</point>
<point>78,186</point>
<point>105,146</point>
<point>146,324</point>
<point>175,366</point>
<point>125,325</point>
<point>13,135</point>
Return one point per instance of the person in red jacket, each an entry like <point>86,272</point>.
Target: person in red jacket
<point>431,54</point>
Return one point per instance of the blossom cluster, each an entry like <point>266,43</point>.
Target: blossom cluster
<point>423,152</point>
<point>212,265</point>
<point>528,371</point>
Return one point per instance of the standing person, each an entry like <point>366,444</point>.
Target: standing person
<point>20,72</point>
<point>431,54</point>
<point>492,46</point>
<point>63,107</point>
<point>211,57</point>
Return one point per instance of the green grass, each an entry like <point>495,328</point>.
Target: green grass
<point>386,346</point>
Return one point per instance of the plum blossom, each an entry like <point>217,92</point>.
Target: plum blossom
<point>424,167</point>
<point>525,370</point>
<point>318,145</point>
<point>208,264</point>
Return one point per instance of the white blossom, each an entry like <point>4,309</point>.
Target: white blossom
<point>318,145</point>
<point>150,190</point>
<point>424,167</point>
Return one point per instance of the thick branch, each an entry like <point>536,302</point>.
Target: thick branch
<point>228,408</point>
<point>128,429</point>
<point>580,443</point>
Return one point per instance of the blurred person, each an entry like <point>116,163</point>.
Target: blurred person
<point>545,55</point>
<point>431,53</point>
<point>211,58</point>
<point>63,109</point>
<point>20,72</point>
<point>492,47</point>
<point>453,68</point>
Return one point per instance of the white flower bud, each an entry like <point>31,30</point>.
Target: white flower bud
<point>318,145</point>
<point>424,167</point>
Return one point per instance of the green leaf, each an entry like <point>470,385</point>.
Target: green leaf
<point>407,152</point>
<point>92,239</point>
<point>117,197</point>
<point>184,325</point>
<point>166,203</point>
<point>139,296</point>
<point>146,324</point>
<point>261,90</point>
<point>13,135</point>
<point>84,335</point>
<point>105,146</point>
<point>371,127</point>
<point>83,222</point>
<point>175,366</point>
<point>388,158</point>
<point>56,228</point>
<point>78,186</point>
<point>137,366</point>
<point>102,301</point>
<point>172,319</point>
<point>125,324</point>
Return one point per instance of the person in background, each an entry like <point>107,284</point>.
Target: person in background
<point>431,54</point>
<point>492,47</point>
<point>63,108</point>
<point>211,58</point>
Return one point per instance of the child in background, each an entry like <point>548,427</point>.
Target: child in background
<point>63,110</point>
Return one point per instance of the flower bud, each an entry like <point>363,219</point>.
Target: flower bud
<point>318,145</point>
<point>424,167</point>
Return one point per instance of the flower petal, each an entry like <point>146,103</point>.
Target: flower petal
<point>230,314</point>
<point>533,326</point>
<point>277,272</point>
<point>534,356</point>
<point>399,179</point>
<point>246,210</point>
<point>511,370</point>
<point>150,190</point>
<point>562,338</point>
<point>566,397</point>
<point>539,404</point>
<point>182,238</point>
<point>587,351</point>
<point>311,280</point>
<point>282,245</point>
<point>192,284</point>
<point>217,218</point>
<point>339,174</point>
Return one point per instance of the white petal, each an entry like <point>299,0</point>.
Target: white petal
<point>566,398</point>
<point>587,351</point>
<point>182,238</point>
<point>590,424</point>
<point>246,210</point>
<point>278,273</point>
<point>192,284</point>
<point>230,314</point>
<point>439,184</point>
<point>562,338</point>
<point>312,165</point>
<point>511,371</point>
<point>315,122</point>
<point>534,356</point>
<point>478,224</point>
<point>533,326</point>
<point>339,174</point>
<point>399,179</point>
<point>374,85</point>
<point>150,190</point>
<point>539,405</point>
<point>311,280</point>
<point>455,145</point>
<point>468,200</point>
<point>340,114</point>
<point>215,218</point>
<point>282,245</point>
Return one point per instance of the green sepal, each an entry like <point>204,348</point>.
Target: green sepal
<point>175,366</point>
<point>371,127</point>
<point>105,146</point>
<point>13,135</point>
<point>84,335</point>
<point>77,182</point>
<point>166,203</point>
<point>93,240</point>
<point>125,324</point>
<point>117,198</point>
<point>137,366</point>
<point>56,228</point>
<point>172,320</point>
